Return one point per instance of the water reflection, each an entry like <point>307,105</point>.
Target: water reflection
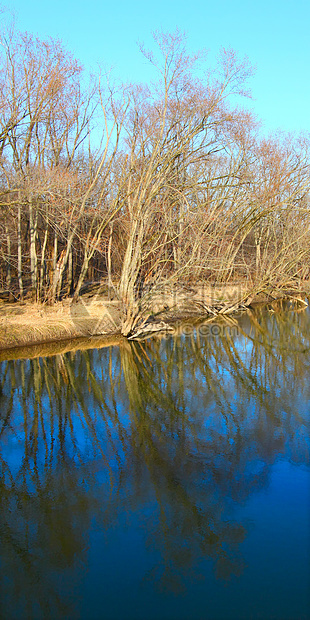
<point>177,430</point>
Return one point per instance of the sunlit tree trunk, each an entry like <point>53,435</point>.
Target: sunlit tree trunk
<point>70,273</point>
<point>33,220</point>
<point>19,249</point>
<point>42,264</point>
<point>8,244</point>
<point>109,262</point>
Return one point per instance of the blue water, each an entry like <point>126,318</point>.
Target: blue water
<point>163,479</point>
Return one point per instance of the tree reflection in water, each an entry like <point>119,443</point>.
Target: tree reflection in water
<point>188,423</point>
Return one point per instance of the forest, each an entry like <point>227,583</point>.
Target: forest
<point>143,186</point>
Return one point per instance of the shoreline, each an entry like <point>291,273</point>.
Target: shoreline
<point>27,324</point>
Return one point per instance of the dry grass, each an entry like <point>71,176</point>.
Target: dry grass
<point>26,324</point>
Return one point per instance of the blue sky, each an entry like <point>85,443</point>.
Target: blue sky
<point>274,34</point>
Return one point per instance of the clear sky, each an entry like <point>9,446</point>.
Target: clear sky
<point>274,34</point>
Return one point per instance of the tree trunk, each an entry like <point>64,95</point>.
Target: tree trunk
<point>109,264</point>
<point>42,266</point>
<point>81,276</point>
<point>8,243</point>
<point>19,250</point>
<point>33,220</point>
<point>130,272</point>
<point>69,274</point>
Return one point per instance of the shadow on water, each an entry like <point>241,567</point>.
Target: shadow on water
<point>179,429</point>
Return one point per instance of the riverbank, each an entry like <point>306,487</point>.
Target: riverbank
<point>26,323</point>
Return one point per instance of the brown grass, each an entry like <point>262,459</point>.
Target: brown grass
<point>24,324</point>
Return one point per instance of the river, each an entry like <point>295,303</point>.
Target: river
<point>161,479</point>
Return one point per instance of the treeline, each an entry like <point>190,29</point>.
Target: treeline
<point>138,185</point>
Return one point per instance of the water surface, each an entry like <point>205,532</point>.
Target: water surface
<point>163,479</point>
